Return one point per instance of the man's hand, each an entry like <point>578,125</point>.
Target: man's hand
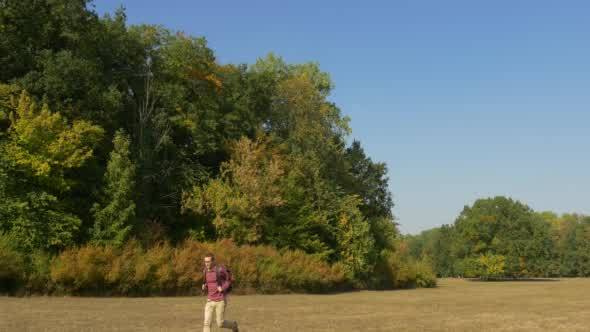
<point>203,287</point>
<point>219,289</point>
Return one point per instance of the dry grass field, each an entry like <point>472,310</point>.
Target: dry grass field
<point>456,305</point>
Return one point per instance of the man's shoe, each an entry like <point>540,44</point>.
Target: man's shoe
<point>235,328</point>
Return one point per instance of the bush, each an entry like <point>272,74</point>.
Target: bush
<point>259,269</point>
<point>425,276</point>
<point>165,270</point>
<point>154,272</point>
<point>12,271</point>
<point>82,270</point>
<point>395,269</point>
<point>120,277</point>
<point>38,278</point>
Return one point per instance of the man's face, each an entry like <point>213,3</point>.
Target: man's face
<point>208,262</point>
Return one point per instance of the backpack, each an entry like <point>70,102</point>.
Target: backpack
<point>218,278</point>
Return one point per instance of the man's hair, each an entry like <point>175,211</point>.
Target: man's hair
<point>210,255</point>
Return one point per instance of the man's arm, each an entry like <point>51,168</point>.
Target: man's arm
<point>223,274</point>
<point>203,279</point>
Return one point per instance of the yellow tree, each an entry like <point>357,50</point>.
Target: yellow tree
<point>45,145</point>
<point>248,189</point>
<point>39,150</point>
<point>491,265</point>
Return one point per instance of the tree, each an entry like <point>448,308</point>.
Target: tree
<point>491,265</point>
<point>504,227</point>
<point>29,27</point>
<point>114,218</point>
<point>45,146</point>
<point>355,242</point>
<point>243,199</point>
<point>369,181</point>
<point>40,150</point>
<point>583,247</point>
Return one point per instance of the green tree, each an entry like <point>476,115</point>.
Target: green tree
<point>28,27</point>
<point>114,218</point>
<point>370,182</point>
<point>37,156</point>
<point>583,247</point>
<point>502,226</point>
<point>356,243</point>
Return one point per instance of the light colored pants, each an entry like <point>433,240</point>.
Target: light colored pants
<point>219,308</point>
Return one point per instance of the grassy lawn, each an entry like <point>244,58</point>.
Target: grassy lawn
<point>456,305</point>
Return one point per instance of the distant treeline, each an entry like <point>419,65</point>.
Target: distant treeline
<point>501,237</point>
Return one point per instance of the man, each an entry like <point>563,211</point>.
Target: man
<point>216,293</point>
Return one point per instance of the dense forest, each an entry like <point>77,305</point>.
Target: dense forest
<point>129,151</point>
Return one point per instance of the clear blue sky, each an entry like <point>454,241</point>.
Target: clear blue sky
<point>461,99</point>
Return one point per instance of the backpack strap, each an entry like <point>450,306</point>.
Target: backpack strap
<point>218,275</point>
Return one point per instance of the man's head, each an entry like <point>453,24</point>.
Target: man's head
<point>209,261</point>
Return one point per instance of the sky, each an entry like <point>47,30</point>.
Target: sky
<point>461,99</point>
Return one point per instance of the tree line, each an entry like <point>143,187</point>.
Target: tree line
<point>112,135</point>
<point>501,237</point>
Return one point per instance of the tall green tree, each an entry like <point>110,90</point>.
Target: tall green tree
<point>369,181</point>
<point>115,217</point>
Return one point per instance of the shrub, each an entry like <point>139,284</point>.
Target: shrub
<point>11,265</point>
<point>395,269</point>
<point>82,270</point>
<point>38,274</point>
<point>165,270</point>
<point>119,278</point>
<point>425,276</point>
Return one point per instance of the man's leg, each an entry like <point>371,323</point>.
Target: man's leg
<point>209,307</point>
<point>221,323</point>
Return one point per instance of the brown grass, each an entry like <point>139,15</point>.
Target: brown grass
<point>456,305</point>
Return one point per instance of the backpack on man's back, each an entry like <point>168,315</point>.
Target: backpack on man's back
<point>219,278</point>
